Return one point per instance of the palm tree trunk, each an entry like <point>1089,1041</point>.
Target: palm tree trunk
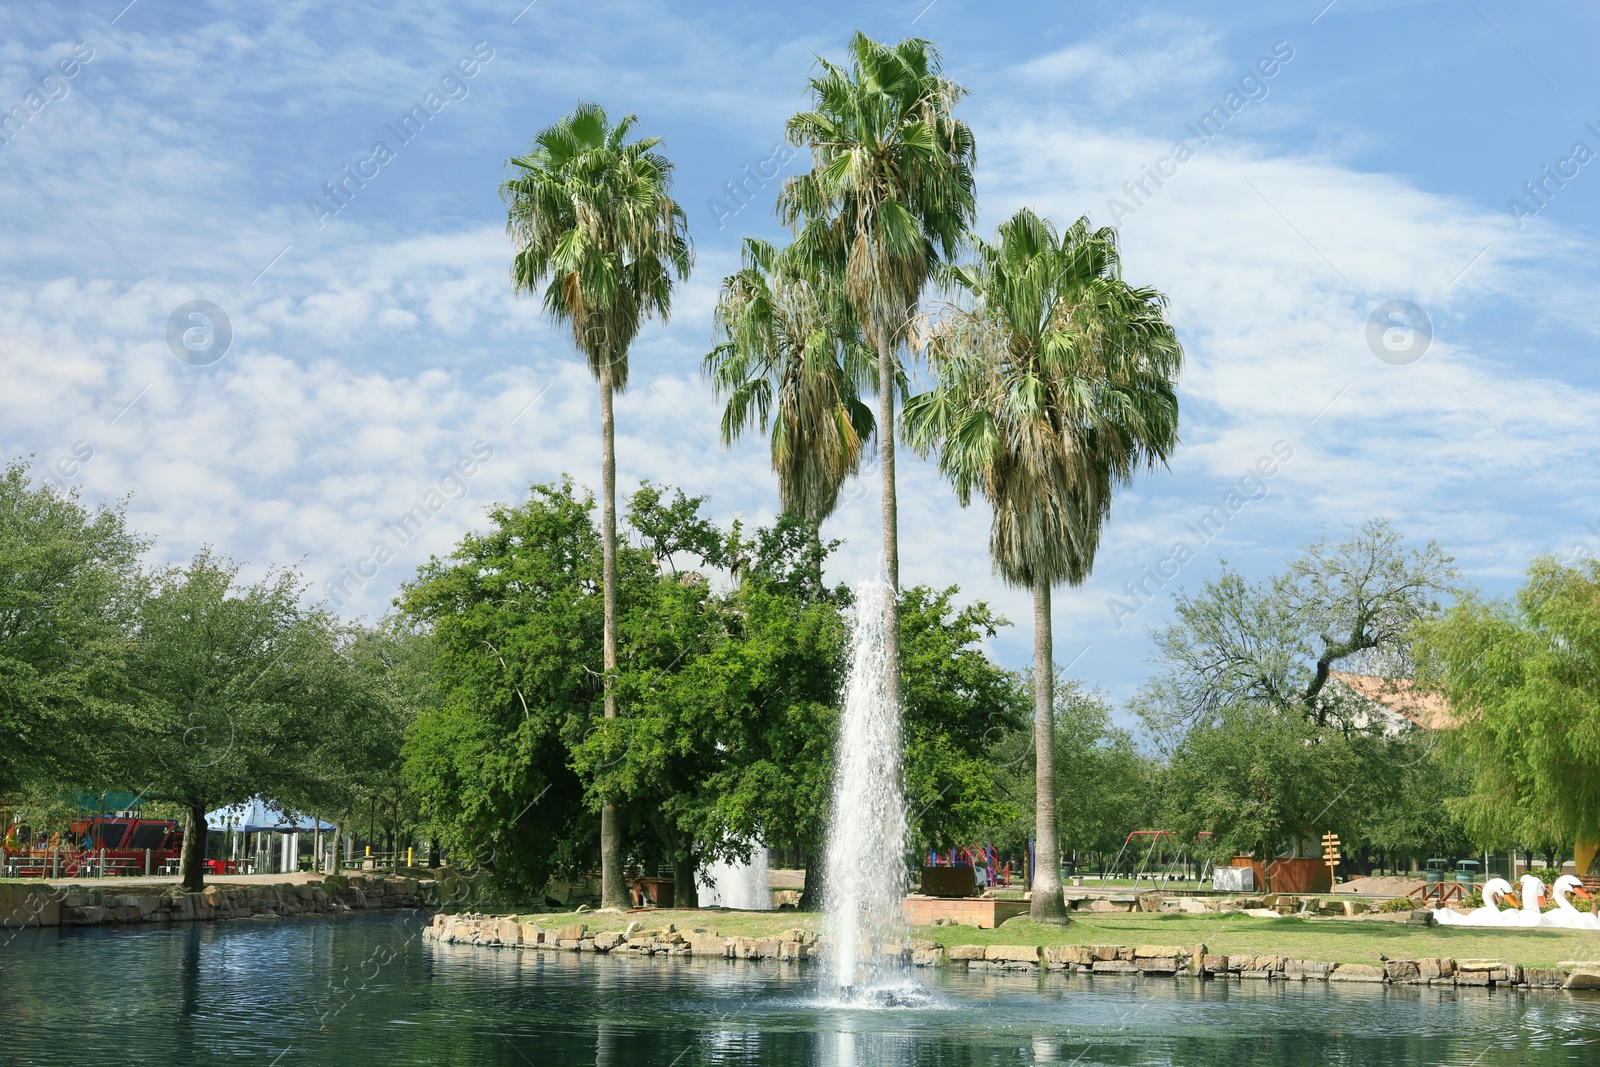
<point>891,517</point>
<point>1047,905</point>
<point>613,890</point>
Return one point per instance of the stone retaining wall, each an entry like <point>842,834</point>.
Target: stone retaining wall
<point>88,905</point>
<point>1145,961</point>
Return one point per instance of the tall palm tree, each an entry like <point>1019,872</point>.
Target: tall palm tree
<point>1055,385</point>
<point>890,194</point>
<point>593,222</point>
<point>789,357</point>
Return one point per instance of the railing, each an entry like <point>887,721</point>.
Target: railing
<point>72,863</point>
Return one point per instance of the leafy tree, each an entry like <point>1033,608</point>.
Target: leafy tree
<point>889,195</point>
<point>1274,643</point>
<point>958,704</point>
<point>69,586</point>
<point>233,689</point>
<point>1104,785</point>
<point>1261,781</point>
<point>515,616</point>
<point>1055,384</point>
<point>789,356</point>
<point>591,215</point>
<point>1522,679</point>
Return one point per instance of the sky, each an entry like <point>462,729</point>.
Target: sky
<point>222,301</point>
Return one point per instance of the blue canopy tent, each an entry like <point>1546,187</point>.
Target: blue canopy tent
<point>261,816</point>
<point>257,815</point>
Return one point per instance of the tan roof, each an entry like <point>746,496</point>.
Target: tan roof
<point>1401,696</point>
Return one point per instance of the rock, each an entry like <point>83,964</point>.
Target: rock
<point>1306,970</point>
<point>574,932</point>
<point>532,934</point>
<point>1405,971</point>
<point>1020,954</point>
<point>607,942</point>
<point>1157,952</point>
<point>507,932</point>
<point>702,943</point>
<point>1213,964</point>
<point>1058,956</point>
<point>1157,965</point>
<point>1583,979</point>
<point>926,957</point>
<point>1114,967</point>
<point>965,952</point>
<point>1105,952</point>
<point>1433,969</point>
<point>1544,977</point>
<point>1356,972</point>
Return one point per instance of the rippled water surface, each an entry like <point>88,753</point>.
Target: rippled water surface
<point>368,992</point>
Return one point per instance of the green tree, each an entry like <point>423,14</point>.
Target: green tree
<point>1522,679</point>
<point>789,357</point>
<point>1276,642</point>
<point>594,224</point>
<point>1055,384</point>
<point>889,195</point>
<point>514,615</point>
<point>69,586</point>
<point>232,690</point>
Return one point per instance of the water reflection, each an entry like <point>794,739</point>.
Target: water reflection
<point>252,992</point>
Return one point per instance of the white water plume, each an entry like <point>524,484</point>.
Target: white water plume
<point>865,874</point>
<point>741,886</point>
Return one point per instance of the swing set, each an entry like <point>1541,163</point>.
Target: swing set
<point>1176,854</point>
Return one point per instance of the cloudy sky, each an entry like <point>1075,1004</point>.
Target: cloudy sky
<point>1370,294</point>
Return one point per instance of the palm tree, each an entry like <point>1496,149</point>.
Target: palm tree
<point>1055,385</point>
<point>590,214</point>
<point>789,357</point>
<point>890,194</point>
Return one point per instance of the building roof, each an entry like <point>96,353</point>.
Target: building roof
<point>1402,696</point>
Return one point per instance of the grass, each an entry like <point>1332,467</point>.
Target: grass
<point>1327,940</point>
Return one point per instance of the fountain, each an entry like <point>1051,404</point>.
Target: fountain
<point>741,886</point>
<point>865,878</point>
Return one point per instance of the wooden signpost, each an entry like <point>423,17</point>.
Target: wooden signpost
<point>1330,856</point>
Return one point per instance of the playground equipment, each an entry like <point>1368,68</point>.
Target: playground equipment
<point>1177,858</point>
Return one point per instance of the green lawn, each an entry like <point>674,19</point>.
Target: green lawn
<point>1329,940</point>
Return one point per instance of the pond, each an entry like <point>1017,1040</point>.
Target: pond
<point>368,991</point>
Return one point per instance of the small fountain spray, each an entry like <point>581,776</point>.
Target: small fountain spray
<point>866,878</point>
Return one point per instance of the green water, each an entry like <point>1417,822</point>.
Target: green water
<point>369,992</point>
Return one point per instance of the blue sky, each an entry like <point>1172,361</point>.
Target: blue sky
<point>373,349</point>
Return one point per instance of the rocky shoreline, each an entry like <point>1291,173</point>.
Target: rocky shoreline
<point>23,905</point>
<point>1167,962</point>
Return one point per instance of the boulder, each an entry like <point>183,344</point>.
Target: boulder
<point>1404,971</point>
<point>1583,979</point>
<point>1157,965</point>
<point>1145,952</point>
<point>1356,972</point>
<point>1114,967</point>
<point>965,952</point>
<point>1435,968</point>
<point>1306,970</point>
<point>1020,954</point>
<point>608,941</point>
<point>1211,963</point>
<point>1544,977</point>
<point>1058,956</point>
<point>574,932</point>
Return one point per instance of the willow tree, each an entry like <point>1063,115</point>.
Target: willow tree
<point>1055,385</point>
<point>1523,688</point>
<point>789,359</point>
<point>889,196</point>
<point>595,226</point>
